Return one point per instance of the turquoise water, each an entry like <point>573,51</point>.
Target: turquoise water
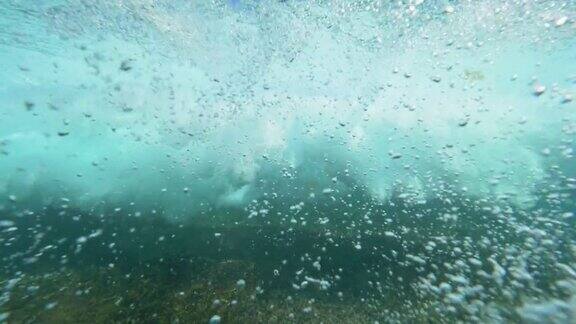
<point>287,161</point>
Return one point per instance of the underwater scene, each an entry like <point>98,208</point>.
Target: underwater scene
<point>287,161</point>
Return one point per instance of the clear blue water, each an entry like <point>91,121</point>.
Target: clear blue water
<point>272,161</point>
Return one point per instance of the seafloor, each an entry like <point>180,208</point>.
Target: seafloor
<point>127,267</point>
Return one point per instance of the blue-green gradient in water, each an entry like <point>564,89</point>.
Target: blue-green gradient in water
<point>244,161</point>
